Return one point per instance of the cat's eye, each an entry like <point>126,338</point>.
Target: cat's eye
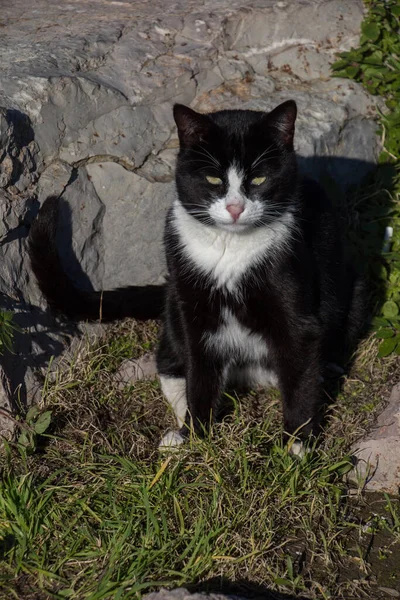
<point>214,180</point>
<point>258,180</point>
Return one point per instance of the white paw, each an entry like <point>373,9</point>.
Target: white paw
<point>297,449</point>
<point>171,440</point>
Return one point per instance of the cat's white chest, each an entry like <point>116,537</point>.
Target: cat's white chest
<point>225,256</point>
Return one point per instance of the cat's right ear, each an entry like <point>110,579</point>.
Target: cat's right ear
<point>193,128</point>
<point>282,119</point>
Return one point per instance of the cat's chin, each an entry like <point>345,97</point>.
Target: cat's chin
<point>235,227</point>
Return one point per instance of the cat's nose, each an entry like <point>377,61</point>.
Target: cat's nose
<point>235,210</point>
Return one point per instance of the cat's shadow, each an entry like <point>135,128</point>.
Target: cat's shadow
<point>360,194</point>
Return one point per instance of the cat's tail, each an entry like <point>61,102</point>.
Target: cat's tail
<point>140,302</point>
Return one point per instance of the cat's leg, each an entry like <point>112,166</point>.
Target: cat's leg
<point>194,398</point>
<point>171,372</point>
<point>299,373</point>
<point>192,377</point>
<point>206,378</point>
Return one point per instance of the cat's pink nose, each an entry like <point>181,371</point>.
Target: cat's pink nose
<point>235,210</point>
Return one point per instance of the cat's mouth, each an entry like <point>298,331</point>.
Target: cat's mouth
<point>235,227</point>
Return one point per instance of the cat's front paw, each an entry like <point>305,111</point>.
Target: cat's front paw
<point>171,440</point>
<point>298,449</point>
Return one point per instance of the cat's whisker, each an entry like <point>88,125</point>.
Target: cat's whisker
<point>212,157</point>
<point>208,155</point>
<point>265,159</point>
<point>203,160</point>
<point>209,168</point>
<point>199,207</point>
<point>261,156</point>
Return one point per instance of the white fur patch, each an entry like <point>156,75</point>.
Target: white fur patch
<point>225,256</point>
<point>235,340</point>
<point>171,440</point>
<point>174,389</point>
<point>252,376</point>
<point>235,180</point>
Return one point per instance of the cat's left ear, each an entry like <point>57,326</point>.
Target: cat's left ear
<point>193,127</point>
<point>283,118</point>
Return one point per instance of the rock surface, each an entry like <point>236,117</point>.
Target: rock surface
<point>86,91</point>
<point>133,370</point>
<point>183,594</point>
<point>378,453</point>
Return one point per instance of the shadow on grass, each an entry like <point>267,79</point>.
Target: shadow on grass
<point>6,543</point>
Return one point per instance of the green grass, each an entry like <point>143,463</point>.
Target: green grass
<point>7,329</point>
<point>94,511</point>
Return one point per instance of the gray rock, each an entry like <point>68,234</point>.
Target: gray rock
<point>135,211</point>
<point>127,134</point>
<point>133,370</point>
<point>20,160</point>
<point>86,91</point>
<point>378,455</point>
<point>183,594</point>
<point>79,232</point>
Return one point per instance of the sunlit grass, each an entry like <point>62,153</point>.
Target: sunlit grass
<point>96,512</point>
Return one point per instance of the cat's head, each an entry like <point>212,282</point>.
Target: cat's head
<point>236,169</point>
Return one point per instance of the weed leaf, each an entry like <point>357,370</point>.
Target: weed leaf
<point>390,309</point>
<point>387,347</point>
<point>43,422</point>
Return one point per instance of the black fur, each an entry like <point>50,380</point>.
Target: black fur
<point>302,302</point>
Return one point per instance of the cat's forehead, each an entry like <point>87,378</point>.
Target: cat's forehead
<point>238,121</point>
<point>240,145</point>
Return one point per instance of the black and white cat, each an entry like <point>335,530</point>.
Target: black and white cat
<point>258,291</point>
